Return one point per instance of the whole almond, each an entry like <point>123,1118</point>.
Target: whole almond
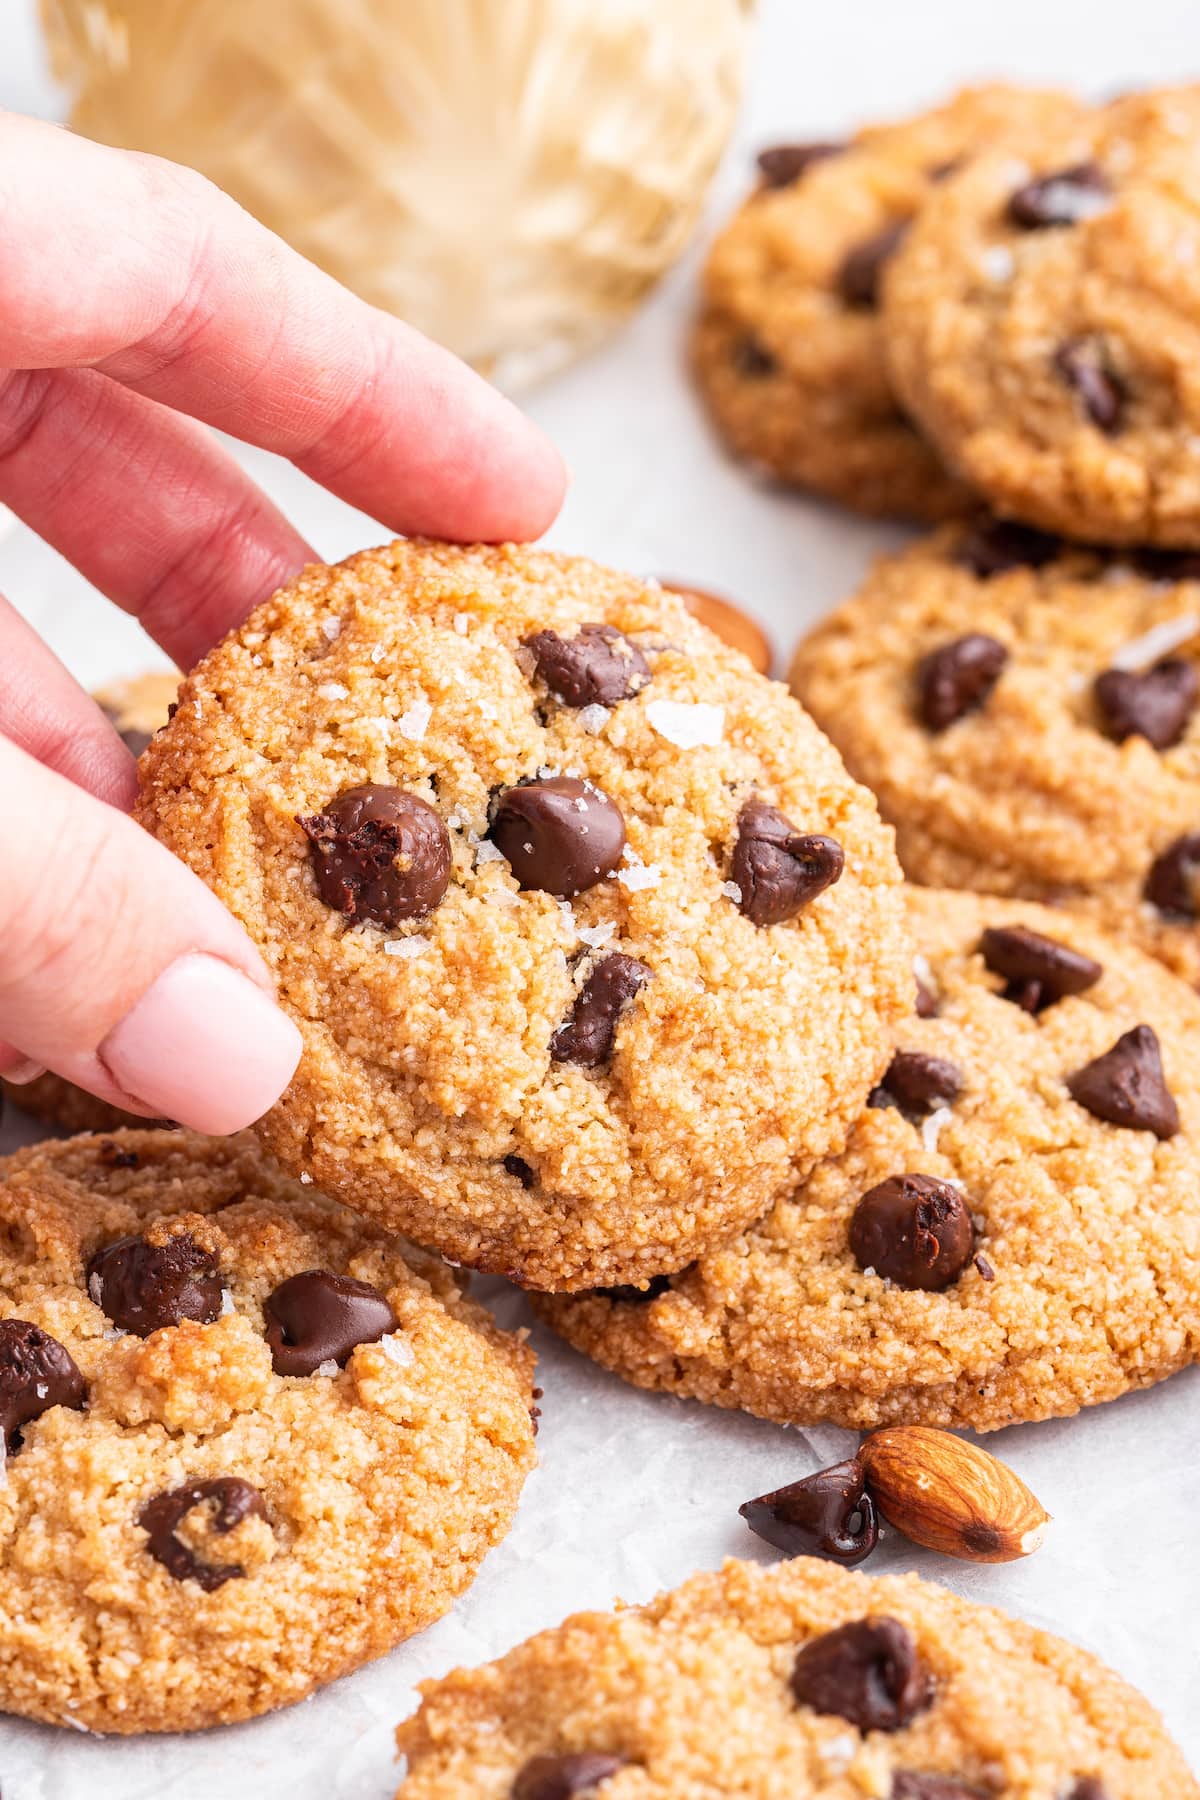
<point>948,1495</point>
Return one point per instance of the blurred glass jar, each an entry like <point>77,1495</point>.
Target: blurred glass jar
<point>510,176</point>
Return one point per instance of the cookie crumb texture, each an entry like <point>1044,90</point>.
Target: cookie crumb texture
<point>1081,1279</point>
<point>805,1681</point>
<point>1076,774</point>
<point>508,695</point>
<point>186,1537</point>
<point>1042,322</point>
<point>788,350</point>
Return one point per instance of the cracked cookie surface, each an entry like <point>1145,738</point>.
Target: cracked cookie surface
<point>806,1681</point>
<point>540,773</point>
<point>1075,776</point>
<point>1042,322</point>
<point>187,1536</point>
<point>1057,1262</point>
<point>788,349</point>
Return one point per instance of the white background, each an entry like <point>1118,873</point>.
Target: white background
<point>635,1491</point>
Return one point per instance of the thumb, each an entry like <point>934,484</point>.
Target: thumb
<point>120,971</point>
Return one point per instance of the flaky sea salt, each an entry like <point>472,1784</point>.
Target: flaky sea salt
<point>595,935</point>
<point>837,1753</point>
<point>333,690</point>
<point>732,891</point>
<point>1159,641</point>
<point>95,1288</point>
<point>997,262</point>
<point>413,723</point>
<point>306,1178</point>
<point>638,875</point>
<point>593,719</point>
<point>227,1305</point>
<point>687,724</point>
<point>397,1349</point>
<point>931,1127</point>
<point>377,653</point>
<point>406,947</point>
<point>487,852</point>
<point>328,1367</point>
<point>462,623</point>
<point>332,630</point>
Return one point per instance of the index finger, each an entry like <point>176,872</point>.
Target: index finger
<point>188,300</point>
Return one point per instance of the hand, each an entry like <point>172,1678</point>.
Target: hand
<point>136,300</point>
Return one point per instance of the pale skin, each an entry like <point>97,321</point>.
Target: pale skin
<point>138,307</point>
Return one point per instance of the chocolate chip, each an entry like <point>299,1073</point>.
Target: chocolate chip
<point>319,1317</point>
<point>785,163</point>
<point>135,741</point>
<point>629,1295</point>
<point>586,1035</point>
<point>926,1006</point>
<point>827,1514</point>
<point>995,546</point>
<point>113,1157</point>
<point>918,1084</point>
<point>1173,884</point>
<point>1089,1789</point>
<point>558,834</point>
<point>859,276</point>
<point>1166,565</point>
<point>913,1230</point>
<point>520,1170</point>
<point>143,1286</point>
<point>597,667</point>
<point>565,1777</point>
<point>909,1786</point>
<point>380,854</point>
<point>36,1373</point>
<point>1039,970</point>
<point>235,1500</point>
<point>1066,197</point>
<point>1156,704</point>
<point>752,359</point>
<point>868,1673</point>
<point>778,870</point>
<point>1126,1086</point>
<point>957,678</point>
<point>1101,392</point>
<point>984,1269</point>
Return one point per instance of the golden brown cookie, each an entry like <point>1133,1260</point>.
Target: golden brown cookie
<point>1009,1234</point>
<point>806,1682</point>
<point>1063,762</point>
<point>1043,323</point>
<point>788,349</point>
<point>252,1442</point>
<point>591,940</point>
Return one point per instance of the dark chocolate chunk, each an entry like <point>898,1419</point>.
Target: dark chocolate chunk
<point>36,1373</point>
<point>1083,366</point>
<point>1173,884</point>
<point>777,869</point>
<point>1155,704</point>
<point>1039,970</point>
<point>597,667</point>
<point>913,1230</point>
<point>520,1170</point>
<point>558,834</point>
<point>784,163</point>
<point>1126,1086</point>
<point>908,1785</point>
<point>144,1287</point>
<point>862,268</point>
<point>380,854</point>
<point>235,1500</point>
<point>586,1035</point>
<point>1065,197</point>
<point>320,1317</point>
<point>868,1673</point>
<point>752,359</point>
<point>827,1514</point>
<point>575,1777</point>
<point>627,1294</point>
<point>918,1084</point>
<point>956,678</point>
<point>994,546</point>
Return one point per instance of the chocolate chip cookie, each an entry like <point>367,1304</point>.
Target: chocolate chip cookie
<point>1010,1233</point>
<point>1043,323</point>
<point>591,940</point>
<point>1026,712</point>
<point>805,1681</point>
<point>251,1441</point>
<point>788,350</point>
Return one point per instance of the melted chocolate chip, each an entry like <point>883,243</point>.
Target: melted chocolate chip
<point>1039,970</point>
<point>565,1777</point>
<point>913,1230</point>
<point>1166,565</point>
<point>1173,884</point>
<point>379,853</point>
<point>1126,1086</point>
<point>956,678</point>
<point>995,546</point>
<point>235,1500</point>
<point>1100,391</point>
<point>1089,1789</point>
<point>784,163</point>
<point>36,1373</point>
<point>1156,704</point>
<point>520,1170</point>
<point>143,1286</point>
<point>586,1035</point>
<point>319,1317</point>
<point>558,834</point>
<point>918,1084</point>
<point>752,359</point>
<point>629,1295</point>
<point>1065,197</point>
<point>910,1786</point>
<point>868,1673</point>
<point>597,667</point>
<point>862,269</point>
<point>777,869</point>
<point>827,1514</point>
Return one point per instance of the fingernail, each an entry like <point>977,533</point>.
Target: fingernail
<point>22,1071</point>
<point>203,1045</point>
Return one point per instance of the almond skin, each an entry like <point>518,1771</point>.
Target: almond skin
<point>950,1496</point>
